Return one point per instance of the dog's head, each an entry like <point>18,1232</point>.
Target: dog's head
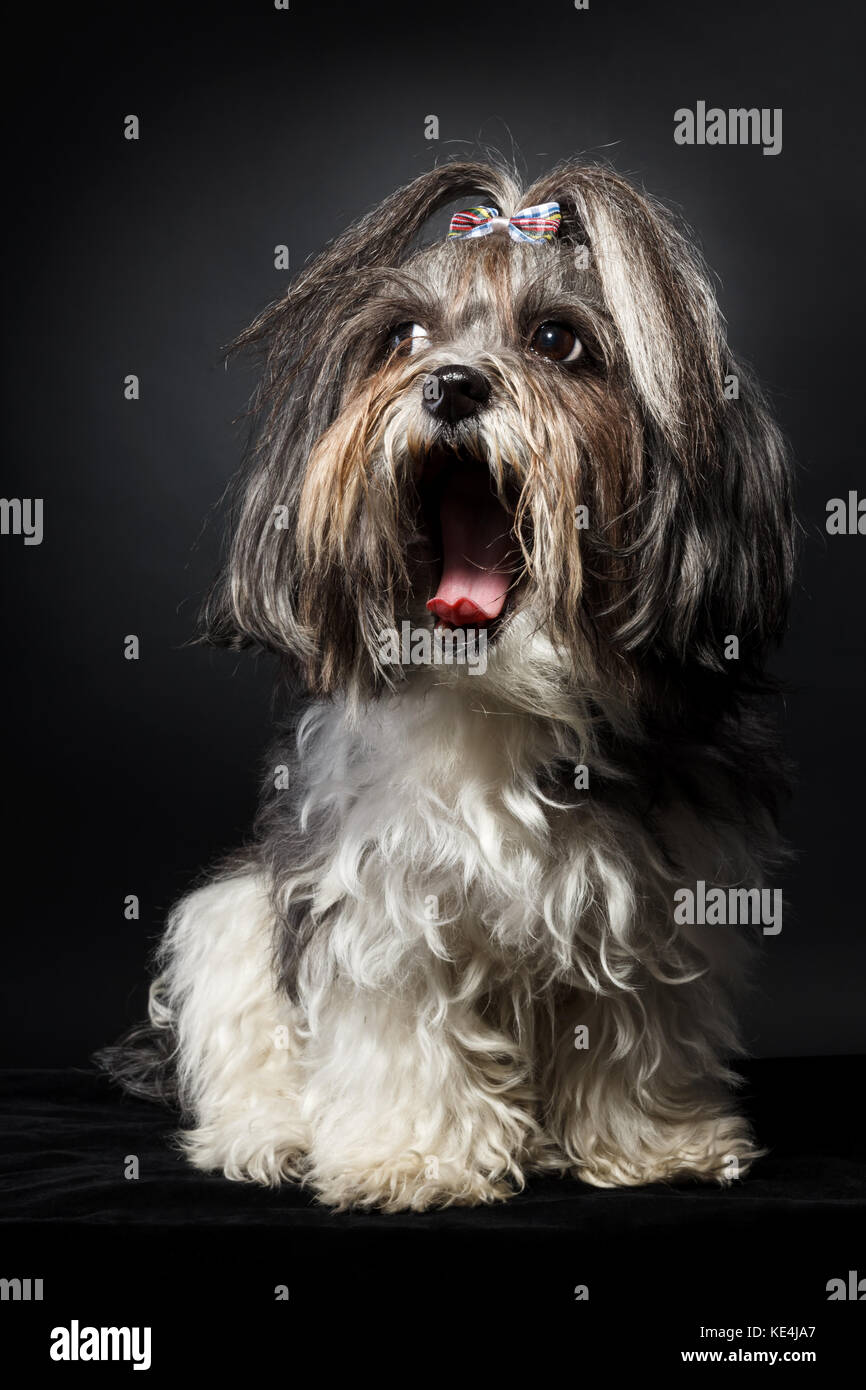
<point>489,431</point>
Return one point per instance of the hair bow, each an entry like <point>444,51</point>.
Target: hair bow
<point>529,224</point>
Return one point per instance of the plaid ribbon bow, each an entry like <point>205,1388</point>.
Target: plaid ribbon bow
<point>529,224</point>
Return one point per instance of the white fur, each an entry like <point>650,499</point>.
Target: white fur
<point>464,922</point>
<point>237,1071</point>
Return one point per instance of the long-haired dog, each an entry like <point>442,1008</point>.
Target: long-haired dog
<point>451,956</point>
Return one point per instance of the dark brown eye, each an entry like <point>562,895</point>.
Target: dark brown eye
<point>557,342</point>
<point>407,338</point>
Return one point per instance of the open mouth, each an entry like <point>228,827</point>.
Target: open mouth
<point>470,533</point>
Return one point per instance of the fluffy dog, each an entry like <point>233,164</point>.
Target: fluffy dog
<point>451,956</point>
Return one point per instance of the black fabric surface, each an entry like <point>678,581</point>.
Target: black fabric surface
<point>66,1135</point>
<point>670,1256</point>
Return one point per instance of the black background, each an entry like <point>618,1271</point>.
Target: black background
<point>261,127</point>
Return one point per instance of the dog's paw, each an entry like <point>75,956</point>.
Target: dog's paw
<point>242,1154</point>
<point>411,1182</point>
<point>720,1150</point>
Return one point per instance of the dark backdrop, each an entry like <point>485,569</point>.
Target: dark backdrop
<point>261,127</point>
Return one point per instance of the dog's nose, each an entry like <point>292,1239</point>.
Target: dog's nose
<point>454,393</point>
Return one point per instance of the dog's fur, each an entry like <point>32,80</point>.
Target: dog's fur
<point>380,997</point>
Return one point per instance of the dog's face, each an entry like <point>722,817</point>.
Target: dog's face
<point>481,407</point>
<point>488,428</point>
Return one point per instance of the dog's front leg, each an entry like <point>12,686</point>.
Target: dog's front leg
<point>236,1035</point>
<point>410,1106</point>
<point>637,1087</point>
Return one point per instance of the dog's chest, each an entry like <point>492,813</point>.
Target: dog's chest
<point>441,812</point>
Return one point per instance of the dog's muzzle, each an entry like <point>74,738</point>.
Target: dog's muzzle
<point>474,529</point>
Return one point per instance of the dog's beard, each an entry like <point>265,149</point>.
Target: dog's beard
<point>470,525</point>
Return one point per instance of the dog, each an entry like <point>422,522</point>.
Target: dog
<point>451,956</point>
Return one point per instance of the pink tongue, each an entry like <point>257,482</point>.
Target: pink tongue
<point>476,540</point>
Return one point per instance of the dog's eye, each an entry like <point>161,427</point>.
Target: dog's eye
<point>556,341</point>
<point>407,338</point>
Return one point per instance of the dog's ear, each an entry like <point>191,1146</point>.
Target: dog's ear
<point>709,544</point>
<point>303,379</point>
<point>714,549</point>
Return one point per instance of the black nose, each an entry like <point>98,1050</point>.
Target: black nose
<point>454,393</point>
